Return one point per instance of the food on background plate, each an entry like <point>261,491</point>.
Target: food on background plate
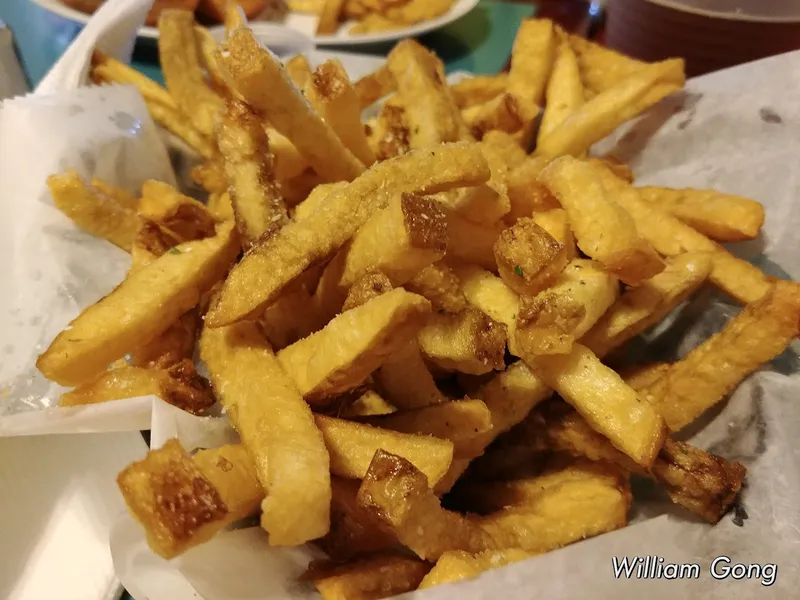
<point>414,344</point>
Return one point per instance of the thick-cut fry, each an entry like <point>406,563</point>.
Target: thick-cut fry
<point>210,175</point>
<point>93,211</point>
<point>292,317</point>
<point>503,153</point>
<point>256,281</point>
<point>258,207</point>
<point>365,289</point>
<point>531,62</point>
<point>332,95</point>
<point>119,195</point>
<point>108,69</point>
<point>528,258</point>
<point>472,243</point>
<point>389,136</point>
<point>502,113</point>
<point>220,206</point>
<point>299,71</point>
<point>603,229</point>
<point>180,385</point>
<point>151,299</point>
<point>257,74</point>
<point>458,421</point>
<point>607,403</point>
<point>406,381</point>
<point>712,370</point>
<point>457,565</point>
<point>371,578</point>
<point>640,307</point>
<point>432,114</point>
<point>177,124</point>
<point>375,86</point>
<point>184,216</point>
<point>182,70</point>
<point>374,23</point>
<point>182,501</point>
<point>172,346</point>
<point>554,319</point>
<point>642,376</point>
<point>478,90</point>
<point>206,45</point>
<point>722,217</point>
<point>564,91</point>
<point>556,223</point>
<point>278,429</point>
<point>439,284</point>
<point>417,11</point>
<point>468,341</point>
<point>353,445</point>
<point>368,404</point>
<point>316,199</point>
<point>354,344</point>
<point>526,194</point>
<point>329,17</point>
<point>151,241</point>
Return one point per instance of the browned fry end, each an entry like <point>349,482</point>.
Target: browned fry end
<point>187,389</point>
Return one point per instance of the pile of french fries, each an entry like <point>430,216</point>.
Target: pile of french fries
<point>371,16</point>
<point>406,320</point>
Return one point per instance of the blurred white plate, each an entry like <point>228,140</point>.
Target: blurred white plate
<point>306,24</point>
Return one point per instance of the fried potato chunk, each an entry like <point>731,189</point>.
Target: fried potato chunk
<point>277,428</point>
<point>406,381</point>
<point>92,210</point>
<point>257,75</point>
<point>439,284</point>
<point>263,273</point>
<point>468,341</point>
<point>151,299</point>
<point>712,370</point>
<point>603,229</point>
<point>341,356</point>
<point>182,501</point>
<point>186,217</point>
<point>179,385</point>
<point>457,565</point>
<point>525,193</point>
<point>478,90</point>
<point>389,134</point>
<point>528,258</point>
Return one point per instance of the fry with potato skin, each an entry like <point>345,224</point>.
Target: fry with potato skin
<point>439,284</point>
<point>269,267</point>
<point>184,216</point>
<point>365,289</point>
<point>172,346</point>
<point>528,258</point>
<point>277,428</point>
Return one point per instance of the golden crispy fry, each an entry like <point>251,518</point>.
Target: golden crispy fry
<point>299,71</point>
<point>365,289</point>
<point>93,211</point>
<point>503,153</point>
<point>564,91</point>
<point>278,261</point>
<point>278,429</point>
<point>640,307</point>
<point>457,565</point>
<point>439,284</point>
<point>556,223</point>
<point>670,237</point>
<point>258,207</point>
<point>605,401</point>
<point>399,240</point>
<point>119,195</point>
<point>210,175</point>
<point>603,229</point>
<point>528,258</point>
<point>642,376</point>
<point>458,421</point>
<point>616,166</point>
<point>468,341</point>
<point>352,446</point>
<point>478,90</point>
<point>417,11</point>
<point>184,216</point>
<point>374,23</point>
<point>368,404</point>
<point>206,45</point>
<point>172,346</point>
<point>375,86</point>
<point>179,125</point>
<point>107,69</point>
<point>712,370</point>
<point>289,163</point>
<point>182,70</point>
<point>502,113</point>
<point>371,578</point>
<point>329,17</point>
<point>256,74</point>
<point>151,299</point>
<point>316,199</point>
<point>293,316</point>
<point>525,193</point>
<point>406,381</point>
<point>179,385</point>
<point>482,205</point>
<point>432,114</point>
<point>342,355</point>
<point>470,242</point>
<point>605,112</point>
<point>722,217</point>
<point>554,319</point>
<point>531,62</point>
<point>332,95</point>
<point>221,207</point>
<point>151,241</point>
<point>182,501</point>
<point>390,135</point>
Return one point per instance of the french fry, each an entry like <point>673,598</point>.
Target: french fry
<point>233,16</point>
<point>374,23</point>
<point>341,356</point>
<point>525,193</point>
<point>556,223</point>
<point>478,90</point>
<point>551,321</point>
<point>278,261</point>
<point>151,241</point>
<point>184,216</point>
<point>183,73</point>
<point>177,124</point>
<point>390,136</point>
<point>368,404</point>
<point>564,91</point>
<point>713,369</point>
<point>299,71</point>
<point>179,385</point>
<point>258,207</point>
<point>722,217</point>
<point>316,199</point>
<point>417,11</point>
<point>433,117</point>
<point>206,45</point>
<point>292,317</point>
<point>257,75</point>
<point>210,175</point>
<point>277,428</point>
<point>406,381</point>
<point>470,242</point>
<point>528,258</point>
<point>329,17</point>
<point>468,341</point>
<point>353,445</point>
<point>92,210</point>
<point>531,62</point>
<point>365,289</point>
<point>503,153</point>
<point>457,565</point>
<point>502,113</point>
<point>172,346</point>
<point>151,299</point>
<point>220,206</point>
<point>603,229</point>
<point>108,69</point>
<point>619,168</point>
<point>642,376</point>
<point>332,95</point>
<point>370,578</point>
<point>374,86</point>
<point>182,501</point>
<point>119,195</point>
<point>289,162</point>
<point>640,307</point>
<point>439,284</point>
